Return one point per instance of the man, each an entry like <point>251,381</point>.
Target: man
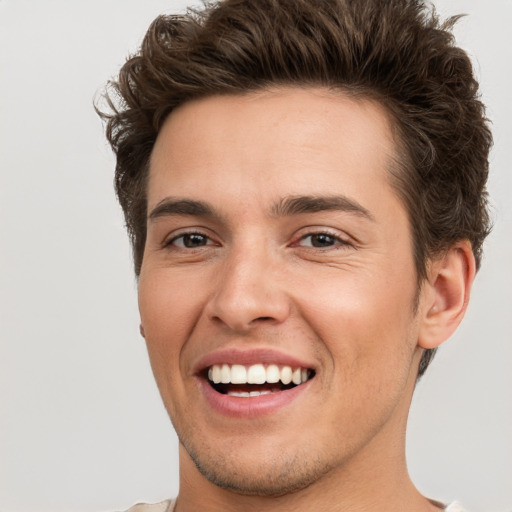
<point>303,182</point>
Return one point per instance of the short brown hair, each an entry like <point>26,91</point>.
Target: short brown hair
<point>395,51</point>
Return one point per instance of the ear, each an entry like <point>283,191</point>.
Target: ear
<point>142,333</point>
<point>445,294</point>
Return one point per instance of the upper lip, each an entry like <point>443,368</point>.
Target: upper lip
<point>249,357</point>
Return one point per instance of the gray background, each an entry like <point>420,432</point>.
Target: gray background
<point>82,427</point>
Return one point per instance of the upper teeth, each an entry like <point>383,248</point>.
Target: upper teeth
<point>256,374</point>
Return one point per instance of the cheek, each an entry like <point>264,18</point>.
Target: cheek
<point>168,313</point>
<point>167,307</point>
<point>363,322</point>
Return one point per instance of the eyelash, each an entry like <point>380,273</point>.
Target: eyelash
<point>172,241</point>
<point>337,241</point>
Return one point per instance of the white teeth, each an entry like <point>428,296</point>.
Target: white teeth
<point>286,375</point>
<point>238,374</point>
<point>247,394</point>
<point>259,393</point>
<point>273,374</point>
<point>256,374</point>
<point>225,374</point>
<point>216,374</point>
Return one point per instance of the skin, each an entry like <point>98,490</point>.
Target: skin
<point>255,276</point>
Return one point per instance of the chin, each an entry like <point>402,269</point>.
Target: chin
<point>270,473</point>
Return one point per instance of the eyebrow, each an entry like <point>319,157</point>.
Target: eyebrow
<point>170,206</point>
<point>312,204</point>
<point>287,206</point>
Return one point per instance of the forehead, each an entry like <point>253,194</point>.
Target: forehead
<point>285,141</point>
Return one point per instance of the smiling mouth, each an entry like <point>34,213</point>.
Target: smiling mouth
<point>255,380</point>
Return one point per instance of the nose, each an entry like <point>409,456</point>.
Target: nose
<point>250,291</point>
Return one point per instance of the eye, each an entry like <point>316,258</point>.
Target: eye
<point>321,240</point>
<point>190,241</point>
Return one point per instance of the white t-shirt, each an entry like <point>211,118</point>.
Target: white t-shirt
<point>452,507</point>
<point>168,506</point>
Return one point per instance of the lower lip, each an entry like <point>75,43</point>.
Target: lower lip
<point>250,407</point>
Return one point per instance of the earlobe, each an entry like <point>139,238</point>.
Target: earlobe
<point>446,296</point>
<point>142,333</point>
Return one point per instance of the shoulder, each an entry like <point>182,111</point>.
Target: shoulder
<point>163,506</point>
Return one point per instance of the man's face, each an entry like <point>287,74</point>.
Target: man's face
<point>276,245</point>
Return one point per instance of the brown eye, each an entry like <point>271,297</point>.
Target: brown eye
<point>191,240</point>
<point>320,240</point>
